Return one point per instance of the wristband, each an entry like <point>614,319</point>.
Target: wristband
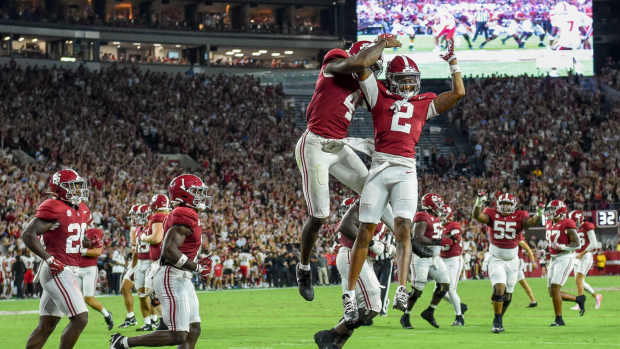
<point>181,261</point>
<point>83,251</point>
<point>454,68</point>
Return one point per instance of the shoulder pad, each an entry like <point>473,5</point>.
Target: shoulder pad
<point>334,54</point>
<point>50,209</point>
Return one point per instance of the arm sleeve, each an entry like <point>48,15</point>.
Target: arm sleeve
<point>370,88</point>
<point>592,238</point>
<point>432,112</point>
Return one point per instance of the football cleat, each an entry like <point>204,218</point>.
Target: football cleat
<point>351,314</point>
<point>533,304</point>
<point>304,282</point>
<point>326,340</point>
<point>405,322</point>
<point>162,326</point>
<point>130,321</point>
<point>464,308</point>
<point>557,323</point>
<point>581,302</point>
<point>401,298</point>
<point>459,321</point>
<point>145,327</point>
<point>109,321</point>
<point>498,327</point>
<point>116,341</point>
<point>599,298</point>
<point>429,315</point>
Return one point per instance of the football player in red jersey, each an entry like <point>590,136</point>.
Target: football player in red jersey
<point>143,265</point>
<point>62,221</point>
<point>321,150</point>
<point>563,240</point>
<point>524,247</point>
<point>399,114</point>
<point>160,206</point>
<point>506,225</point>
<point>368,288</point>
<point>428,232</point>
<point>127,284</point>
<point>92,247</point>
<point>172,282</point>
<point>451,253</point>
<point>584,258</point>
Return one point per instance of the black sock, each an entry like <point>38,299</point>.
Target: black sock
<point>580,299</point>
<point>558,319</point>
<point>498,317</point>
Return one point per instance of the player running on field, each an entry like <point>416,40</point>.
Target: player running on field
<point>399,114</point>
<point>321,150</point>
<point>507,225</point>
<point>142,267</point>
<point>128,277</point>
<point>451,253</point>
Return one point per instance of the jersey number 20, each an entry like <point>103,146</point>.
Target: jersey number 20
<point>74,241</point>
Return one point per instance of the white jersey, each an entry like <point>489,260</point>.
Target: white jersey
<point>28,262</point>
<point>229,263</point>
<point>245,259</point>
<point>215,260</point>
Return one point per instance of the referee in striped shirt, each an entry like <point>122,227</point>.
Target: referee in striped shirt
<point>481,17</point>
<point>383,267</point>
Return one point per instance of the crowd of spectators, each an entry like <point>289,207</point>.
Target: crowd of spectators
<point>110,125</point>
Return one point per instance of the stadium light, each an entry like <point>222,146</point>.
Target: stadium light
<point>157,45</point>
<point>289,52</point>
<point>256,53</point>
<point>238,54</point>
<point>136,44</point>
<point>262,51</point>
<point>229,53</point>
<point>177,46</point>
<point>35,40</point>
<point>67,59</point>
<point>116,43</point>
<point>7,38</point>
<point>237,50</point>
<point>275,54</point>
<point>21,38</point>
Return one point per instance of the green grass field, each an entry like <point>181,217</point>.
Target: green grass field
<point>267,318</point>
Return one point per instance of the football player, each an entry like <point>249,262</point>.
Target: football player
<point>143,265</point>
<point>451,253</point>
<point>160,206</point>
<point>584,259</point>
<point>563,240</point>
<point>173,281</point>
<point>506,225</point>
<point>427,231</point>
<point>524,247</point>
<point>399,114</point>
<point>62,220</point>
<point>92,247</point>
<point>127,283</point>
<point>367,287</point>
<point>321,150</point>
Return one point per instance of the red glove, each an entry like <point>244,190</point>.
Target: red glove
<point>449,55</point>
<point>204,267</point>
<point>55,265</point>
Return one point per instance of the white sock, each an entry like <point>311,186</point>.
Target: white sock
<point>129,315</point>
<point>433,306</point>
<point>154,318</point>
<point>147,320</point>
<point>587,287</point>
<point>125,343</point>
<point>105,312</point>
<point>350,293</point>
<point>305,267</point>
<point>455,300</point>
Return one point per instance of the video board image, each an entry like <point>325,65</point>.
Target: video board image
<point>501,37</point>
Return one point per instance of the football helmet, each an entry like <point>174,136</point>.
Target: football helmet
<point>143,213</point>
<point>556,209</point>
<point>446,213</point>
<point>160,202</point>
<point>133,214</point>
<point>376,68</point>
<point>433,203</point>
<point>189,190</point>
<point>577,216</point>
<point>403,77</point>
<point>68,186</point>
<point>506,204</point>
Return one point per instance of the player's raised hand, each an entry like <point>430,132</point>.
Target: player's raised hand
<point>448,55</point>
<point>390,40</point>
<point>482,195</point>
<point>55,265</point>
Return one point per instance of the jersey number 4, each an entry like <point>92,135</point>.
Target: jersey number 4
<point>74,241</point>
<point>402,111</point>
<point>504,230</point>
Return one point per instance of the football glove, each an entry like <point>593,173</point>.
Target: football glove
<point>55,265</point>
<point>203,267</point>
<point>421,250</point>
<point>449,55</point>
<point>481,199</point>
<point>377,247</point>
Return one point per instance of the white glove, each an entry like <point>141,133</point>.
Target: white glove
<point>391,250</point>
<point>144,237</point>
<point>377,248</point>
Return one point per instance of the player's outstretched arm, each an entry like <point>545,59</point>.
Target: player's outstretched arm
<point>536,220</point>
<point>364,59</point>
<point>448,99</point>
<point>35,228</point>
<point>171,252</point>
<point>477,212</point>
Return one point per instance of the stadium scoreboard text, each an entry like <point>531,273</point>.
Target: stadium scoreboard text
<point>606,218</point>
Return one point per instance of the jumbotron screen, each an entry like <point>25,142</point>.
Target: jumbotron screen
<point>505,37</point>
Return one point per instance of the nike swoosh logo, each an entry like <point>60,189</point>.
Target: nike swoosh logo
<point>408,172</point>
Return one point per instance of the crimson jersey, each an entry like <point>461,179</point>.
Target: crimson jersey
<point>155,249</point>
<point>397,122</point>
<point>96,239</point>
<point>188,217</point>
<point>582,233</point>
<point>434,230</point>
<point>333,102</point>
<point>142,247</point>
<point>64,239</point>
<point>505,231</point>
<point>451,243</point>
<point>556,234</point>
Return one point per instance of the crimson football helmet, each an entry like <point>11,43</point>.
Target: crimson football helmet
<point>143,213</point>
<point>447,213</point>
<point>68,186</point>
<point>433,203</point>
<point>577,216</point>
<point>189,190</point>
<point>556,209</point>
<point>376,68</point>
<point>506,204</point>
<point>133,214</point>
<point>403,77</point>
<point>160,202</point>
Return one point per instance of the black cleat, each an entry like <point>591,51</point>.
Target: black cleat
<point>464,308</point>
<point>498,327</point>
<point>109,321</point>
<point>162,326</point>
<point>533,304</point>
<point>405,322</point>
<point>116,341</point>
<point>581,302</point>
<point>130,321</point>
<point>429,315</point>
<point>459,321</point>
<point>146,327</point>
<point>325,340</point>
<point>366,322</point>
<point>304,282</point>
<point>557,323</point>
